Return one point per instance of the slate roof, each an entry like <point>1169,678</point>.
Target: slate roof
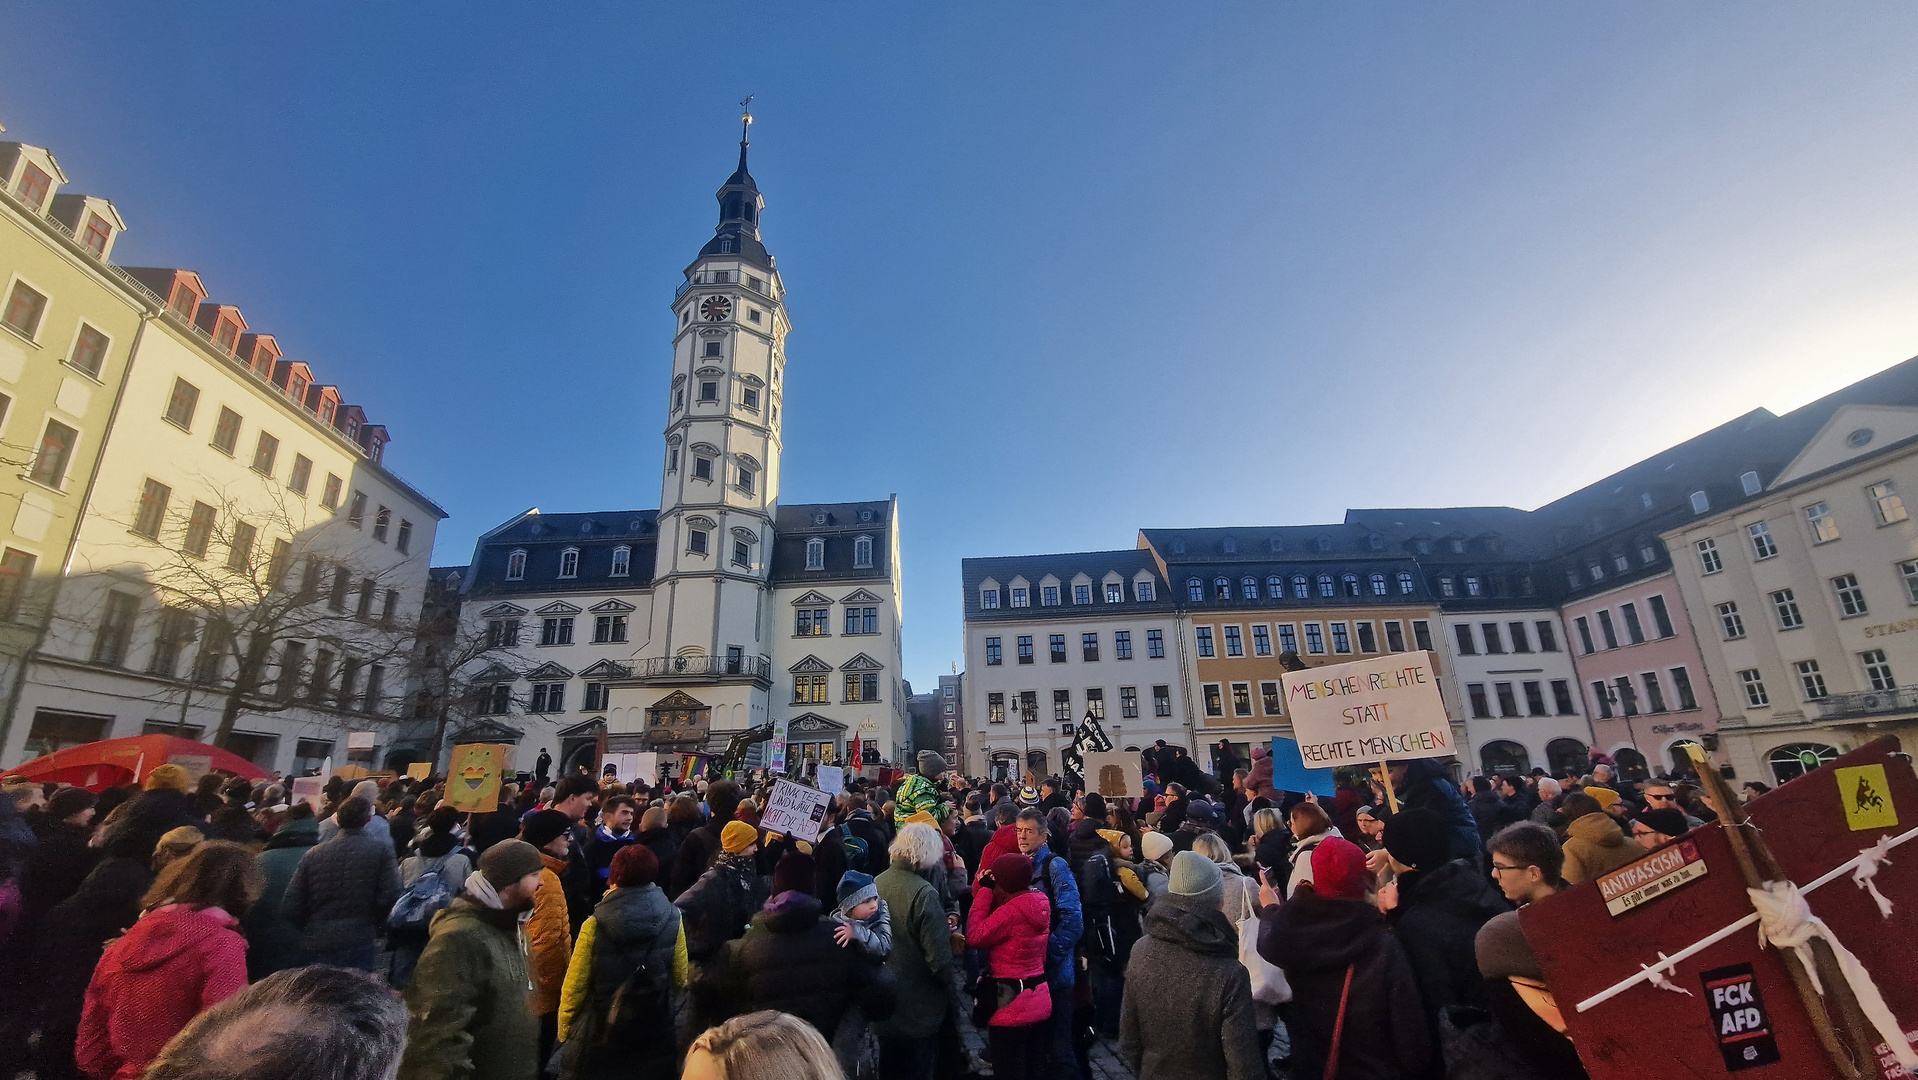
<point>838,524</point>
<point>1094,564</point>
<point>544,536</point>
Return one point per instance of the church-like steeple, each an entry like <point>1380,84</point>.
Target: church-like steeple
<point>739,207</point>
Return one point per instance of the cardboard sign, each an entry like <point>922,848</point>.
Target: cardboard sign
<point>630,768</point>
<point>1867,797</point>
<point>1651,877</point>
<point>795,810</point>
<point>360,740</point>
<point>1386,708</point>
<point>420,770</point>
<point>1745,1036</point>
<point>831,779</point>
<point>472,783</point>
<point>310,790</point>
<point>1115,775</point>
<point>1290,774</point>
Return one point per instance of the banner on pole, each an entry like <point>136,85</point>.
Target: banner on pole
<point>795,810</point>
<point>1386,708</point>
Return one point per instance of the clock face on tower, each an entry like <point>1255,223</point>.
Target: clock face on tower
<point>715,309</point>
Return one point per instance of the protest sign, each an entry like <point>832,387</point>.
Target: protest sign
<point>1115,774</point>
<point>777,761</point>
<point>1290,774</point>
<point>360,740</point>
<point>795,810</point>
<point>420,770</point>
<point>472,784</point>
<point>831,779</point>
<point>310,790</point>
<point>1383,709</point>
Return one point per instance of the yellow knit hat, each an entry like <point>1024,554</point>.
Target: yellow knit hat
<point>921,818</point>
<point>170,776</point>
<point>1605,796</point>
<point>1113,837</point>
<point>737,836</point>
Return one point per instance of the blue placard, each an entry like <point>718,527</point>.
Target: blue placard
<point>1290,774</point>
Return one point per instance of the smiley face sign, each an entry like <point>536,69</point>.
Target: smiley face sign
<point>475,777</point>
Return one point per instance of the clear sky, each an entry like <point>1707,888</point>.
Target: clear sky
<point>1057,272</point>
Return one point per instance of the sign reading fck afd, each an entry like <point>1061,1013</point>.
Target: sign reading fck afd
<point>1369,710</point>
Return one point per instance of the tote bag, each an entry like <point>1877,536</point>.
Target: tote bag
<point>1268,982</point>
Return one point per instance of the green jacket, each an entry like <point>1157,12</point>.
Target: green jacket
<point>916,793</point>
<point>468,1013</point>
<point>921,954</point>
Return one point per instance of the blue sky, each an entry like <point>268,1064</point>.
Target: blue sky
<point>1056,273</point>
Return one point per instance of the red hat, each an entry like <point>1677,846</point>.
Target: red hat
<point>1012,872</point>
<point>633,865</point>
<point>1338,870</point>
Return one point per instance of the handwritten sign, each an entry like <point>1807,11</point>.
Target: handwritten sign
<point>1651,877</point>
<point>795,810</point>
<point>831,779</point>
<point>1368,710</point>
<point>1114,774</point>
<point>310,790</point>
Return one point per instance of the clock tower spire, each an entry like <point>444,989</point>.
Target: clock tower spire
<point>719,490</point>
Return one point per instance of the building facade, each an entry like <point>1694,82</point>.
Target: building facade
<point>1805,590</point>
<point>734,613</point>
<point>952,717</point>
<point>1052,639</point>
<point>241,567</point>
<point>1641,672</point>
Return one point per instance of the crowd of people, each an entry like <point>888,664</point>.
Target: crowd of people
<point>1214,926</point>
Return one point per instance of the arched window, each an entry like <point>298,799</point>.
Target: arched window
<point>1563,754</point>
<point>1504,757</point>
<point>1351,583</point>
<point>1794,760</point>
<point>622,561</point>
<point>1378,584</point>
<point>1300,587</point>
<point>569,563</point>
<point>516,565</point>
<point>1325,585</point>
<point>816,554</point>
<point>1194,590</point>
<point>1631,764</point>
<point>1275,588</point>
<point>1681,759</point>
<point>862,553</point>
<point>1405,582</point>
<point>1249,588</point>
<point>1222,588</point>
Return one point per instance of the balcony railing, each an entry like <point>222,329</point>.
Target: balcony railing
<point>726,277</point>
<point>1863,704</point>
<point>660,669</point>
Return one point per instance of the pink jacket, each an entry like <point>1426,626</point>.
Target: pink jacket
<point>171,965</point>
<point>1014,937</point>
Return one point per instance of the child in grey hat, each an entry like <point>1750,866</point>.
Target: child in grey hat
<point>862,916</point>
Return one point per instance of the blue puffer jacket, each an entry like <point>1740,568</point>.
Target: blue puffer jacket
<point>1427,787</point>
<point>1051,873</point>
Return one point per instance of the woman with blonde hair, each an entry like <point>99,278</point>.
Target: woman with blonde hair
<point>183,955</point>
<point>763,1045</point>
<point>1241,892</point>
<point>1269,841</point>
<point>1310,825</point>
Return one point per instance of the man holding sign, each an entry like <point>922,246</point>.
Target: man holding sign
<point>1385,710</point>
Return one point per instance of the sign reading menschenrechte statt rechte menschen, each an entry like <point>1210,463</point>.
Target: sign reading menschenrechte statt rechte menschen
<point>1368,710</point>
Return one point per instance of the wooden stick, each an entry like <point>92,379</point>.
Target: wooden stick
<point>1391,797</point>
<point>1757,864</point>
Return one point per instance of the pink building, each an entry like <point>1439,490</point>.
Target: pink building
<point>1641,673</point>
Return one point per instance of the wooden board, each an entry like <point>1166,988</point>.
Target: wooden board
<point>1646,1031</point>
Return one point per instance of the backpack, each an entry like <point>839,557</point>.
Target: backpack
<point>422,900</point>
<point>642,1009</point>
<point>856,850</point>
<point>1098,894</point>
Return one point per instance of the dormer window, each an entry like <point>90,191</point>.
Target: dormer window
<point>328,409</point>
<point>1222,588</point>
<point>34,185</point>
<point>1229,546</point>
<point>1325,543</point>
<point>988,599</point>
<point>1701,502</point>
<point>516,565</point>
<point>1749,482</point>
<point>862,553</point>
<point>1377,542</point>
<point>183,301</point>
<point>1178,547</point>
<point>1142,591</point>
<point>569,564</point>
<point>622,561</point>
<point>226,335</point>
<point>816,554</point>
<point>296,388</point>
<point>95,236</point>
<point>1195,590</point>
<point>1458,547</point>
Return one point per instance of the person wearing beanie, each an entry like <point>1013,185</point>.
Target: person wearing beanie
<point>1187,1011</point>
<point>1010,921</point>
<point>1609,801</point>
<point>1435,907</point>
<point>632,926</point>
<point>717,908</point>
<point>549,939</point>
<point>700,847</point>
<point>1338,955</point>
<point>788,959</point>
<point>1595,845</point>
<point>738,838</point>
<point>61,858</point>
<point>1651,828</point>
<point>168,777</point>
<point>342,891</point>
<point>467,1003</point>
<point>863,920</point>
<point>918,793</point>
<point>1158,850</point>
<point>162,805</point>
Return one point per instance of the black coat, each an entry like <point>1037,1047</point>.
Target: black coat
<point>971,841</point>
<point>150,815</point>
<point>664,844</point>
<point>696,854</point>
<point>55,868</point>
<point>1428,788</point>
<point>485,830</point>
<point>76,931</point>
<point>861,824</point>
<point>1315,941</point>
<point>829,865</point>
<point>789,961</point>
<point>1436,922</point>
<point>717,906</point>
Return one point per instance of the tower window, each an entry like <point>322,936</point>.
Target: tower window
<point>702,468</point>
<point>749,398</point>
<point>708,390</point>
<point>712,349</point>
<point>747,480</point>
<point>742,554</point>
<point>696,541</point>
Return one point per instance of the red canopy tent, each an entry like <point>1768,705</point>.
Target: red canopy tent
<point>97,766</point>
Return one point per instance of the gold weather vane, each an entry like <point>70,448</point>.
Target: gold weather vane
<point>745,116</point>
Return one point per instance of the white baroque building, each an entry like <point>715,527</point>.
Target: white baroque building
<point>674,629</point>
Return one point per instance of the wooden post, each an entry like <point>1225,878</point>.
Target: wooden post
<point>1391,797</point>
<point>1850,1051</point>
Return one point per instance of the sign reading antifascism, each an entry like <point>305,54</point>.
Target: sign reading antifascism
<point>1368,710</point>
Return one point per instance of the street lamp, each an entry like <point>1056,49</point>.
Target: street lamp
<point>1028,715</point>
